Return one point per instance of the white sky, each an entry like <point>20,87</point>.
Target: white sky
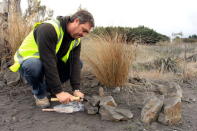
<point>164,16</point>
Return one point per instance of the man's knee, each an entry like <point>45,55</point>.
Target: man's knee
<point>32,66</point>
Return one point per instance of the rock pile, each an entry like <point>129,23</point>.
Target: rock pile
<point>106,107</point>
<point>164,106</point>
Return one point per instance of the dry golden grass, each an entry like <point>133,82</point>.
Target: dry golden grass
<point>109,59</point>
<point>145,53</point>
<point>12,36</point>
<point>17,30</point>
<point>103,54</point>
<point>155,75</point>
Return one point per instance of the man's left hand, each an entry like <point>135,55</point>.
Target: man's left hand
<point>78,93</point>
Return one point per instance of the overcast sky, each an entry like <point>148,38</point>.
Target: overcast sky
<point>164,16</point>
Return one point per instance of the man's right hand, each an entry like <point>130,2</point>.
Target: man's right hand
<point>64,97</point>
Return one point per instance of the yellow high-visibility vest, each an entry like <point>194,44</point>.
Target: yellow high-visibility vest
<point>29,47</point>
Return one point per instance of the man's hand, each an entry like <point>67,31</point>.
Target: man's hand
<point>77,93</point>
<point>64,97</point>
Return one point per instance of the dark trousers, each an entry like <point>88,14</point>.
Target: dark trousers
<point>32,70</point>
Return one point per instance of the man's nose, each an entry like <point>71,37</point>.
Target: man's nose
<point>82,34</point>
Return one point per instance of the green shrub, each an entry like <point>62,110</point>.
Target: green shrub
<point>189,40</point>
<point>140,34</point>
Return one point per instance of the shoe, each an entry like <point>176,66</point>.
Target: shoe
<point>42,103</point>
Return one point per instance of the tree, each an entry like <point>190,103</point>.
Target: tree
<point>14,6</point>
<point>17,25</point>
<point>35,12</point>
<point>193,36</point>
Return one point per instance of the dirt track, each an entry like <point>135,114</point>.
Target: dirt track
<point>18,113</point>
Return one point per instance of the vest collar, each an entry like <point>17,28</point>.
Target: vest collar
<point>63,22</point>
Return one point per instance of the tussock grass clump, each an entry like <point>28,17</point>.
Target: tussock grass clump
<point>12,35</point>
<point>18,28</point>
<point>110,59</point>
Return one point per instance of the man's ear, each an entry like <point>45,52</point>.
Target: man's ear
<point>76,20</point>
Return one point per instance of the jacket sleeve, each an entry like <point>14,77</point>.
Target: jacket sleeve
<point>76,66</point>
<point>46,38</point>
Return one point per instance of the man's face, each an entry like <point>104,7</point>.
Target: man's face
<point>78,30</point>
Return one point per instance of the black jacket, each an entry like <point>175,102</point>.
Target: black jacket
<point>46,38</point>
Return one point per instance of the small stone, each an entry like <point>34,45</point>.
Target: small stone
<point>162,89</point>
<point>12,78</point>
<point>87,98</point>
<point>171,89</point>
<point>94,84</point>
<point>116,90</point>
<point>172,110</point>
<point>125,112</point>
<point>108,100</point>
<point>108,113</point>
<point>174,90</point>
<point>90,109</point>
<point>151,109</point>
<point>192,99</point>
<point>101,92</point>
<point>14,119</point>
<point>95,100</point>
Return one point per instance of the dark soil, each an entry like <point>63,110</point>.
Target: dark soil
<point>19,113</point>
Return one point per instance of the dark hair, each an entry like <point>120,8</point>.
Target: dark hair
<point>83,16</point>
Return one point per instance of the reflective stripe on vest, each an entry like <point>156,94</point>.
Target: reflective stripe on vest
<point>29,48</point>
<point>72,46</point>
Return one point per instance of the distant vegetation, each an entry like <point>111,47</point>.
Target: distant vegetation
<point>190,39</point>
<point>139,34</point>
